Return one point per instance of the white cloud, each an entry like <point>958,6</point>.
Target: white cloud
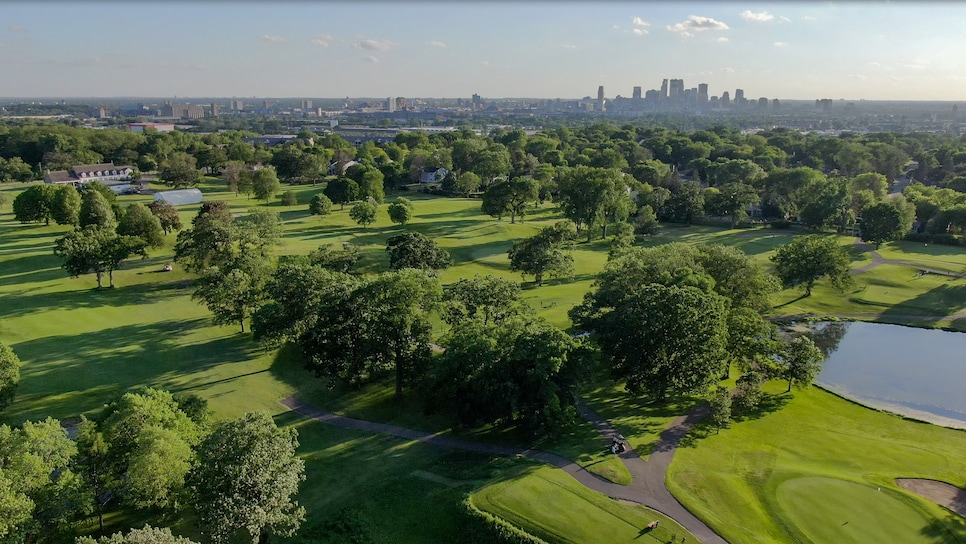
<point>809,18</point>
<point>728,70</point>
<point>322,40</point>
<point>568,46</point>
<point>640,31</point>
<point>270,38</point>
<point>706,73</point>
<point>371,59</point>
<point>617,27</point>
<point>485,63</point>
<point>876,64</point>
<point>784,19</point>
<point>858,76</point>
<point>723,40</point>
<point>696,23</point>
<point>376,45</point>
<point>760,17</point>
<point>637,21</point>
<point>437,44</point>
<point>781,44</point>
<point>16,28</point>
<point>914,66</point>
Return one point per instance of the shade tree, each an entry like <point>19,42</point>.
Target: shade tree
<point>9,375</point>
<point>490,298</point>
<point>246,478</point>
<point>96,250</point>
<point>544,253</point>
<point>96,211</point>
<point>320,205</point>
<point>512,197</point>
<point>179,170</point>
<point>415,250</point>
<point>801,362</point>
<point>35,204</point>
<point>401,211</point>
<point>363,213</point>
<point>139,221</point>
<point>66,206</point>
<point>521,370</point>
<point>166,214</point>
<point>806,259</point>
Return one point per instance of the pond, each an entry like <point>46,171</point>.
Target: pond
<point>920,373</point>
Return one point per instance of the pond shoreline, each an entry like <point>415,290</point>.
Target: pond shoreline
<point>908,371</point>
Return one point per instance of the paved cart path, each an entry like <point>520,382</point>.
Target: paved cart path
<point>647,487</point>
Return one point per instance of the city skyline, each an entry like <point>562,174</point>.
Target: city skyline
<point>790,51</point>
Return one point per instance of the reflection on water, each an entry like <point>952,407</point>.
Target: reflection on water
<point>916,372</point>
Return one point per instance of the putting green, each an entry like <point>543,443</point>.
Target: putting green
<point>837,511</point>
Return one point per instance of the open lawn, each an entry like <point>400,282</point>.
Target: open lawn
<point>82,347</point>
<point>821,469</point>
<point>552,506</point>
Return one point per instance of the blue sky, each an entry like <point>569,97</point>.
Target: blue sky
<point>788,50</point>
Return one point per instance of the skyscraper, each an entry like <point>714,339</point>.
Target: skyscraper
<point>725,99</point>
<point>600,93</point>
<point>636,93</point>
<point>739,97</point>
<point>676,89</point>
<point>664,89</point>
<point>703,93</point>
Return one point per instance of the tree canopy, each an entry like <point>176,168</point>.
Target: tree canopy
<point>246,479</point>
<point>806,259</point>
<point>415,250</point>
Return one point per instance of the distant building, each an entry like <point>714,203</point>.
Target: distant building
<point>78,176</point>
<point>432,174</point>
<point>183,111</point>
<point>306,104</point>
<point>636,93</point>
<point>664,89</point>
<point>391,104</point>
<point>676,89</point>
<point>160,127</point>
<point>214,110</point>
<point>236,105</point>
<point>725,99</point>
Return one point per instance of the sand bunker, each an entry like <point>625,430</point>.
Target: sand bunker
<point>941,493</point>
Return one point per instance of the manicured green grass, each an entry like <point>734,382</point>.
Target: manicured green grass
<point>948,258</point>
<point>816,505</point>
<point>799,473</point>
<point>551,505</point>
<point>889,291</point>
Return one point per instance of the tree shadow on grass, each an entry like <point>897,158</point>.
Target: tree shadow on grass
<point>71,374</point>
<point>24,303</point>
<point>933,305</point>
<point>705,427</point>
<point>951,528</point>
<point>638,416</point>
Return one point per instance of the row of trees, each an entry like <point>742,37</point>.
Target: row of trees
<point>154,453</point>
<point>104,235</point>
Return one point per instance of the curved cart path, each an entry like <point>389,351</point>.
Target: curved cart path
<point>647,487</point>
<point>878,259</point>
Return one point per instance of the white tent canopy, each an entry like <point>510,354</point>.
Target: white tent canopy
<point>179,197</point>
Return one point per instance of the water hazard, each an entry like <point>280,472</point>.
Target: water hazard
<point>920,373</point>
